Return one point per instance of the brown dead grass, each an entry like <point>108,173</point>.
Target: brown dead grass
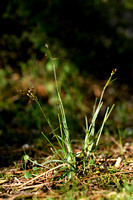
<point>102,180</point>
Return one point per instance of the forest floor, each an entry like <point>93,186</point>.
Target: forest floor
<point>109,176</point>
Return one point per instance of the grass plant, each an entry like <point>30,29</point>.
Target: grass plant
<point>65,154</point>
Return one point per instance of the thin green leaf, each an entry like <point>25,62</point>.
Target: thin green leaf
<point>52,145</point>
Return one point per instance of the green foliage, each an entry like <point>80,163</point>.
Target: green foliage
<point>91,37</point>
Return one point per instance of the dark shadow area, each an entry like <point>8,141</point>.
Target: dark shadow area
<point>97,35</point>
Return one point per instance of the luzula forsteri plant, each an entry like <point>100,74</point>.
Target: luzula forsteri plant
<point>66,155</point>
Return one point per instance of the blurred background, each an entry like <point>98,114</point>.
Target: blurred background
<point>90,38</point>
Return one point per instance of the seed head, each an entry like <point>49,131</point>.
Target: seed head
<point>31,93</point>
<point>113,71</point>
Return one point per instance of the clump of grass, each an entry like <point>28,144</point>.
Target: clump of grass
<point>65,154</point>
